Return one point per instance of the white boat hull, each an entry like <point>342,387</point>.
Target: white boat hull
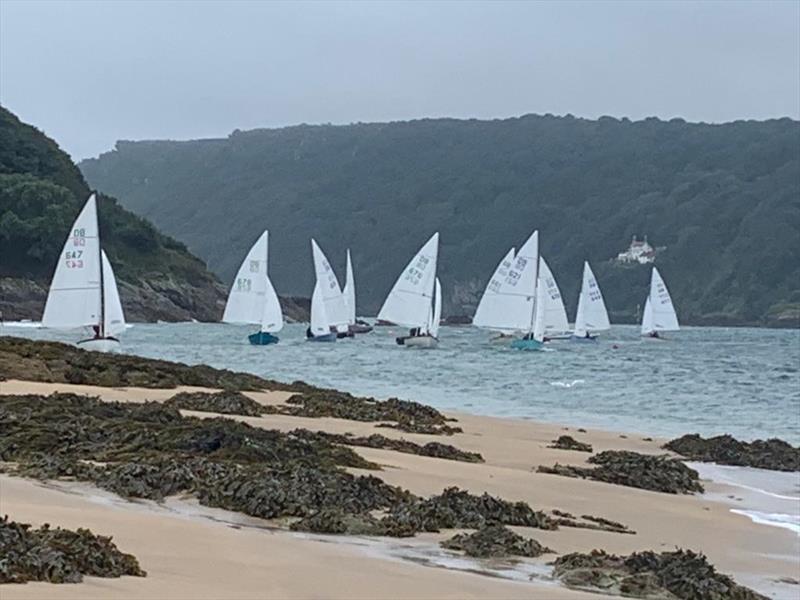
<point>421,341</point>
<point>101,345</point>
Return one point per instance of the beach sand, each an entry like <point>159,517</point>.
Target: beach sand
<point>189,555</point>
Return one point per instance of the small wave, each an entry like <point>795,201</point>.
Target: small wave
<point>567,384</point>
<point>790,522</point>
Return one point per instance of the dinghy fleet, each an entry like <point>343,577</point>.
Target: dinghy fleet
<point>521,306</point>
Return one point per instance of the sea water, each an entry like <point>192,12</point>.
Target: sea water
<point>708,380</point>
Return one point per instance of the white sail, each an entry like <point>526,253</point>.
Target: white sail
<point>436,315</point>
<point>647,318</point>
<point>592,314</point>
<point>349,292</point>
<point>248,292</point>
<point>74,297</point>
<point>553,311</point>
<point>335,306</point>
<point>272,317</point>
<point>113,317</point>
<point>409,302</point>
<point>494,308</point>
<point>663,317</point>
<point>319,315</point>
<point>538,327</point>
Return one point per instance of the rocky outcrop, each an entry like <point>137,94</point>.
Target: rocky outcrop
<point>150,299</point>
<point>773,454</point>
<point>495,541</point>
<point>567,442</point>
<point>59,555</point>
<point>632,469</point>
<point>679,575</point>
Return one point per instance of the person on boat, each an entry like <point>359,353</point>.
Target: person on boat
<point>654,334</point>
<point>308,333</point>
<point>96,329</point>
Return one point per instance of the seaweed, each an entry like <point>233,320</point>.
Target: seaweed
<point>566,442</point>
<point>493,540</point>
<point>773,454</point>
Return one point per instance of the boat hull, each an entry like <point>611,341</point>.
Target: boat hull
<point>359,328</point>
<point>107,344</point>
<point>579,339</point>
<point>501,340</point>
<point>327,337</point>
<point>527,345</point>
<point>262,338</point>
<point>418,341</point>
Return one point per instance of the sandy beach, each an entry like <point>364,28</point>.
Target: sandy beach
<point>193,552</point>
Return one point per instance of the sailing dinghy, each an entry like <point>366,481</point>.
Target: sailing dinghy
<point>411,302</point>
<point>252,298</point>
<point>492,312</point>
<point>659,313</point>
<point>336,310</point>
<point>554,315</point>
<point>591,316</point>
<point>83,291</point>
<point>320,328</point>
<point>354,325</point>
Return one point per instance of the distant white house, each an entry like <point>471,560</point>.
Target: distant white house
<point>638,252</point>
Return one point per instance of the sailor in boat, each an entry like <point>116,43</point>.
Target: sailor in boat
<point>98,335</point>
<point>654,335</point>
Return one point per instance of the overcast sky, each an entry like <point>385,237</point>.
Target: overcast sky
<point>90,73</point>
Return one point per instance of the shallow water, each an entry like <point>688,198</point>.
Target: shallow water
<point>745,382</point>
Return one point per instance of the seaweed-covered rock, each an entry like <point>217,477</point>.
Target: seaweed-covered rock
<point>773,454</point>
<point>567,442</point>
<point>432,449</point>
<point>632,469</point>
<point>229,402</point>
<point>458,509</point>
<point>337,521</point>
<point>59,555</point>
<point>683,575</point>
<point>565,519</point>
<point>495,541</point>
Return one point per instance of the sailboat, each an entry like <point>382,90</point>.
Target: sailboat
<point>83,291</point>
<point>493,309</point>
<point>411,302</point>
<point>336,310</point>
<point>554,314</point>
<point>349,293</point>
<point>659,313</point>
<point>252,298</point>
<point>591,316</point>
<point>320,328</point>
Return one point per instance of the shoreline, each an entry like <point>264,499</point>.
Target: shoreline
<point>754,554</point>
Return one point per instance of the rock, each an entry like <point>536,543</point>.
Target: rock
<point>773,454</point>
<point>337,521</point>
<point>59,555</point>
<point>645,471</point>
<point>681,575</point>
<point>566,442</point>
<point>494,540</point>
<point>228,402</point>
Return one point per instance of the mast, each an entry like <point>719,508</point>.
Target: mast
<point>102,285</point>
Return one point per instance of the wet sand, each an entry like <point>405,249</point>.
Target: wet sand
<point>194,557</point>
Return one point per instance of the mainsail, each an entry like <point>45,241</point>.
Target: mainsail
<point>592,315</point>
<point>436,315</point>
<point>409,302</point>
<point>335,307</point>
<point>554,314</point>
<point>349,292</point>
<point>659,313</point>
<point>319,316</point>
<point>495,307</point>
<point>74,296</point>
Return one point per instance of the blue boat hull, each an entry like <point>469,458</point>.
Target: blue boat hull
<point>262,338</point>
<point>526,345</point>
<point>328,337</point>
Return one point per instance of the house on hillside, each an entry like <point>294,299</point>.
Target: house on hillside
<point>640,251</point>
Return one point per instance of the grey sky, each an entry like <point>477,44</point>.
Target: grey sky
<point>91,73</point>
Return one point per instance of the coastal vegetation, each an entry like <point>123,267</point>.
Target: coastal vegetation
<point>721,200</point>
<point>41,193</point>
